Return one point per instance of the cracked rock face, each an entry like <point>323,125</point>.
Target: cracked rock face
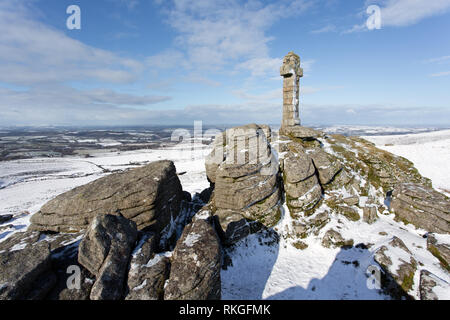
<point>398,263</point>
<point>26,273</point>
<point>196,265</point>
<point>148,272</point>
<point>429,283</point>
<point>440,250</point>
<point>105,251</point>
<point>246,177</point>
<point>148,195</point>
<point>422,206</point>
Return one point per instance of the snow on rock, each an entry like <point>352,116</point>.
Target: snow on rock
<point>429,151</point>
<point>269,264</point>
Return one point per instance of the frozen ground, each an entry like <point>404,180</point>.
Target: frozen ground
<point>259,271</point>
<point>25,185</point>
<point>285,272</point>
<point>429,151</point>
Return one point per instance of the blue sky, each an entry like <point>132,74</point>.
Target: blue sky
<point>149,62</point>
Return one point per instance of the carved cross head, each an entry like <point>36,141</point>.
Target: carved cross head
<point>291,65</point>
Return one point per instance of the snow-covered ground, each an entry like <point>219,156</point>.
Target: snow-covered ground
<point>258,271</point>
<point>282,271</point>
<point>285,272</point>
<point>429,151</point>
<point>25,185</point>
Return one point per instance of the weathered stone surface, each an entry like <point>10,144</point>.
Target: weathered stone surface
<point>297,166</point>
<point>333,239</point>
<point>148,272</point>
<point>300,229</point>
<point>239,229</point>
<point>301,132</point>
<point>351,201</point>
<point>430,282</point>
<point>327,165</point>
<point>246,177</point>
<point>397,261</point>
<point>422,206</point>
<point>338,206</point>
<point>440,250</point>
<point>216,157</point>
<point>291,73</point>
<point>63,254</point>
<point>19,240</point>
<point>319,220</point>
<point>196,264</point>
<point>25,273</point>
<point>152,279</point>
<point>370,214</point>
<point>148,195</point>
<point>301,184</point>
<point>66,266</point>
<point>105,251</point>
<point>378,168</point>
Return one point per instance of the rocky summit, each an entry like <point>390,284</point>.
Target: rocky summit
<point>136,235</point>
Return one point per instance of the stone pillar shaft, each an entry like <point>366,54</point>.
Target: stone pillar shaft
<point>291,73</point>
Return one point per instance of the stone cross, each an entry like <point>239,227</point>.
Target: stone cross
<point>291,73</point>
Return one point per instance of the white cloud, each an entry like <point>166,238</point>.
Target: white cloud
<point>275,94</point>
<point>129,4</point>
<point>356,28</point>
<point>73,107</point>
<point>440,74</point>
<point>34,53</point>
<point>63,105</point>
<point>325,29</point>
<point>197,78</point>
<point>261,66</point>
<point>216,33</point>
<point>43,61</point>
<point>168,59</point>
<point>400,13</point>
<point>408,12</point>
<point>443,59</point>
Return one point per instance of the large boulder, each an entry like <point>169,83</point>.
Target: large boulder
<point>421,206</point>
<point>246,177</point>
<point>74,281</point>
<point>327,165</point>
<point>25,271</point>
<point>333,239</point>
<point>300,132</point>
<point>301,182</point>
<point>148,271</point>
<point>63,262</point>
<point>149,195</point>
<point>105,251</point>
<point>196,264</point>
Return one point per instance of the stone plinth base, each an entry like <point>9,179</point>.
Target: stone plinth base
<point>300,132</point>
